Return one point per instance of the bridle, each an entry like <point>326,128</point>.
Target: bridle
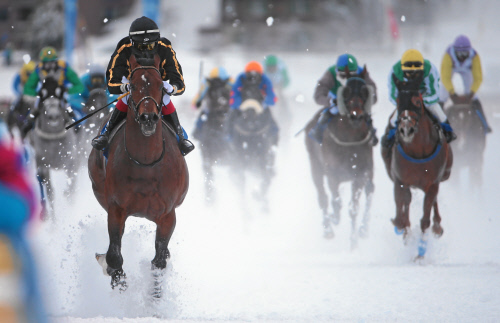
<point>407,115</point>
<point>135,106</point>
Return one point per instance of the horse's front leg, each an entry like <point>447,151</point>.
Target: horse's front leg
<point>334,183</point>
<point>429,201</point>
<point>114,260</point>
<point>43,175</point>
<point>365,223</point>
<point>402,195</point>
<point>164,230</point>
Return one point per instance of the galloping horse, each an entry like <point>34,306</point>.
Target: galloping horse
<point>253,137</point>
<point>345,156</point>
<point>470,144</point>
<point>211,135</point>
<point>145,174</point>
<point>55,148</point>
<point>420,158</point>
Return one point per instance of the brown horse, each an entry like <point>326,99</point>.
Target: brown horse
<point>470,144</point>
<point>346,155</point>
<point>145,174</point>
<point>420,158</point>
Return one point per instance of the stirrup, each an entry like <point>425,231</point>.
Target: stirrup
<point>186,146</point>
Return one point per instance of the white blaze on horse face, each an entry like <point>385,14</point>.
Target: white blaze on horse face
<point>406,127</point>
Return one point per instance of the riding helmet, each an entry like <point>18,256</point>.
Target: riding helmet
<point>347,60</point>
<point>462,43</point>
<point>412,60</point>
<point>271,60</point>
<point>218,72</point>
<point>144,30</point>
<point>48,54</point>
<point>254,66</point>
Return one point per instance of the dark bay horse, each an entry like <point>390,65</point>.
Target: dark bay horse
<point>469,147</point>
<point>55,148</point>
<point>145,174</point>
<point>211,133</point>
<point>420,158</point>
<point>254,138</point>
<point>346,155</point>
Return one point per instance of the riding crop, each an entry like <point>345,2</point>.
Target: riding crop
<point>91,114</point>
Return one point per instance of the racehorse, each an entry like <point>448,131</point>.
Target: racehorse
<point>97,99</point>
<point>254,134</point>
<point>420,158</point>
<point>145,174</point>
<point>55,148</point>
<point>211,133</point>
<point>345,155</point>
<point>470,144</point>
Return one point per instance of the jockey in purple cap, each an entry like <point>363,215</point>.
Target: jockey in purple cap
<point>461,58</point>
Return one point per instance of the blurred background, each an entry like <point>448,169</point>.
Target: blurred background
<point>230,262</point>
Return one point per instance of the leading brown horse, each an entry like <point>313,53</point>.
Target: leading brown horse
<point>145,174</point>
<point>420,158</point>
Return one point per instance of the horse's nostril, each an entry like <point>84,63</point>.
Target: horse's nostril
<point>143,118</point>
<point>155,118</point>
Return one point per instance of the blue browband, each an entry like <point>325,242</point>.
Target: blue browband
<point>419,161</point>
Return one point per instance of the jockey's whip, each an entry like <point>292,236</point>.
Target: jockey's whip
<point>91,114</point>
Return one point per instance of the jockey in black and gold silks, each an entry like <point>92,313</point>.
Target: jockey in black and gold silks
<point>144,41</point>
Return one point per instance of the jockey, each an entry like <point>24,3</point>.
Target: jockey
<point>253,84</point>
<point>276,70</point>
<point>95,78</point>
<point>325,93</point>
<point>413,68</point>
<point>22,77</point>
<point>49,66</point>
<point>461,58</point>
<point>217,74</point>
<point>144,41</point>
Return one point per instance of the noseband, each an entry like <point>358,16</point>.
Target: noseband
<point>135,106</point>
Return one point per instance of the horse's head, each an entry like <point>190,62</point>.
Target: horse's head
<point>52,116</point>
<point>218,95</point>
<point>253,117</point>
<point>410,109</point>
<point>146,94</point>
<point>354,100</point>
<point>97,99</point>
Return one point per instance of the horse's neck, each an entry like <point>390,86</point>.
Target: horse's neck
<point>147,149</point>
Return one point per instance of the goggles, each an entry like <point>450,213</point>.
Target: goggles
<point>342,73</point>
<point>412,65</point>
<point>462,54</point>
<point>146,46</point>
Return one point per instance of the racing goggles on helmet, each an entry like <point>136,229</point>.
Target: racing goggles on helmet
<point>341,73</point>
<point>145,46</point>
<point>413,65</point>
<point>462,54</point>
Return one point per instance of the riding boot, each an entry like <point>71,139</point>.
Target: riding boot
<point>101,142</point>
<point>316,133</point>
<point>389,137</point>
<point>185,145</point>
<point>374,140</point>
<point>478,108</point>
<point>448,131</point>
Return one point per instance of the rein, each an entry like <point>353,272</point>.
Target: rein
<point>350,143</point>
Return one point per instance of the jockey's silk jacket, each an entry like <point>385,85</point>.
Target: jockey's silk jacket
<point>64,74</point>
<point>429,86</point>
<point>265,87</point>
<point>470,70</point>
<point>329,84</point>
<point>119,66</point>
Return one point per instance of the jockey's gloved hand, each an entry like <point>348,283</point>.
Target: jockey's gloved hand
<point>125,87</point>
<point>43,93</point>
<point>198,104</point>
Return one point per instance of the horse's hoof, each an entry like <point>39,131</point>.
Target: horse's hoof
<point>101,260</point>
<point>437,230</point>
<point>399,231</point>
<point>118,279</point>
<point>335,218</point>
<point>328,232</point>
<point>363,232</point>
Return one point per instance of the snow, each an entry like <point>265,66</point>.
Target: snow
<point>231,262</point>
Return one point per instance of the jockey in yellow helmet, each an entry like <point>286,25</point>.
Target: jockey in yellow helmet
<point>414,68</point>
